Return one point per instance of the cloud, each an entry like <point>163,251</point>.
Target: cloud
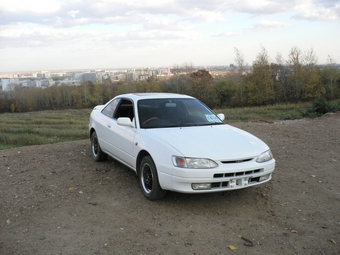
<point>208,16</point>
<point>325,10</point>
<point>262,7</point>
<point>72,13</point>
<point>319,14</point>
<point>260,25</point>
<point>327,3</point>
<point>33,6</point>
<point>319,10</point>
<point>86,27</point>
<point>270,24</point>
<point>32,35</point>
<point>229,33</point>
<point>37,36</point>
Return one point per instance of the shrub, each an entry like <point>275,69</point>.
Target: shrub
<point>322,106</point>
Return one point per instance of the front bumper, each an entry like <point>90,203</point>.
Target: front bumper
<point>222,178</point>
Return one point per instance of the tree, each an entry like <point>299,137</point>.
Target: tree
<point>86,93</point>
<point>313,87</point>
<point>76,98</point>
<point>185,68</point>
<point>239,59</point>
<point>97,96</point>
<point>66,95</point>
<point>178,83</point>
<point>202,88</point>
<point>226,91</point>
<point>330,75</point>
<point>260,85</point>
<point>109,89</point>
<point>296,74</point>
<point>280,74</point>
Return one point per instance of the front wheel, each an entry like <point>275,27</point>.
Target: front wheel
<point>148,179</point>
<point>96,151</point>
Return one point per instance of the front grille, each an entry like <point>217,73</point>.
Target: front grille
<point>237,174</point>
<point>219,185</point>
<point>235,183</point>
<point>236,161</point>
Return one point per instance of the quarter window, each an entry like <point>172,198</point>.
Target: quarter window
<point>111,107</point>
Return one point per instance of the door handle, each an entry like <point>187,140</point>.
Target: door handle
<point>108,126</point>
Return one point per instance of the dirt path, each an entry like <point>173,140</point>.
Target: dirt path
<point>55,200</point>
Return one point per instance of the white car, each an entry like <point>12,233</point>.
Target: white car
<point>174,142</point>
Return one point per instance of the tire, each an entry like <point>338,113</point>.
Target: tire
<point>148,180</point>
<point>96,152</point>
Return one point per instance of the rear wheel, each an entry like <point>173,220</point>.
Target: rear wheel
<point>148,179</point>
<point>97,153</point>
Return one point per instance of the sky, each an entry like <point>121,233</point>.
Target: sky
<point>106,34</point>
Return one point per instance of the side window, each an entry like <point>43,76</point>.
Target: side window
<point>111,107</point>
<point>125,109</point>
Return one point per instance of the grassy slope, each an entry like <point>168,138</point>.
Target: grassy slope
<point>43,127</point>
<point>47,127</point>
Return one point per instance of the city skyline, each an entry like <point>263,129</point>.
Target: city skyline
<point>108,34</point>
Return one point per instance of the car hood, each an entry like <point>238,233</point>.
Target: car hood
<point>218,142</point>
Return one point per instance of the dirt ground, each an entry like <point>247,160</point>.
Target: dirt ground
<point>54,199</point>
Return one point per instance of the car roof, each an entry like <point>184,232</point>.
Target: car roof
<point>139,96</point>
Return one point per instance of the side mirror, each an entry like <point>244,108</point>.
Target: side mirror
<point>125,121</point>
<point>221,116</point>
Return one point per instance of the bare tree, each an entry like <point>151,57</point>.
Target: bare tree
<point>310,58</point>
<point>280,78</point>
<point>330,74</point>
<point>239,59</point>
<point>314,87</point>
<point>295,61</point>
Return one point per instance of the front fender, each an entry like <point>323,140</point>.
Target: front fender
<point>161,153</point>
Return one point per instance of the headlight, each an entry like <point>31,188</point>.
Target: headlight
<point>193,162</point>
<point>265,156</point>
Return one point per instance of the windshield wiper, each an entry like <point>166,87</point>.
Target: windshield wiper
<point>212,123</point>
<point>197,124</point>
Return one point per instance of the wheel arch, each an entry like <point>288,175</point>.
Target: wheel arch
<point>91,131</point>
<point>141,155</point>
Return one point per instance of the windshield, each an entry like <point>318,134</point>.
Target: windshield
<point>179,112</point>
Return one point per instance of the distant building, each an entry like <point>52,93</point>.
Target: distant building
<point>131,76</point>
<point>47,82</point>
<point>143,77</point>
<point>56,75</point>
<point>70,82</point>
<point>118,77</point>
<point>77,76</point>
<point>92,77</point>
<point>23,82</point>
<point>4,84</point>
<point>9,84</point>
<point>45,74</point>
<point>34,83</point>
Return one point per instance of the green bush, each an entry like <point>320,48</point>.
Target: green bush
<point>322,106</point>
